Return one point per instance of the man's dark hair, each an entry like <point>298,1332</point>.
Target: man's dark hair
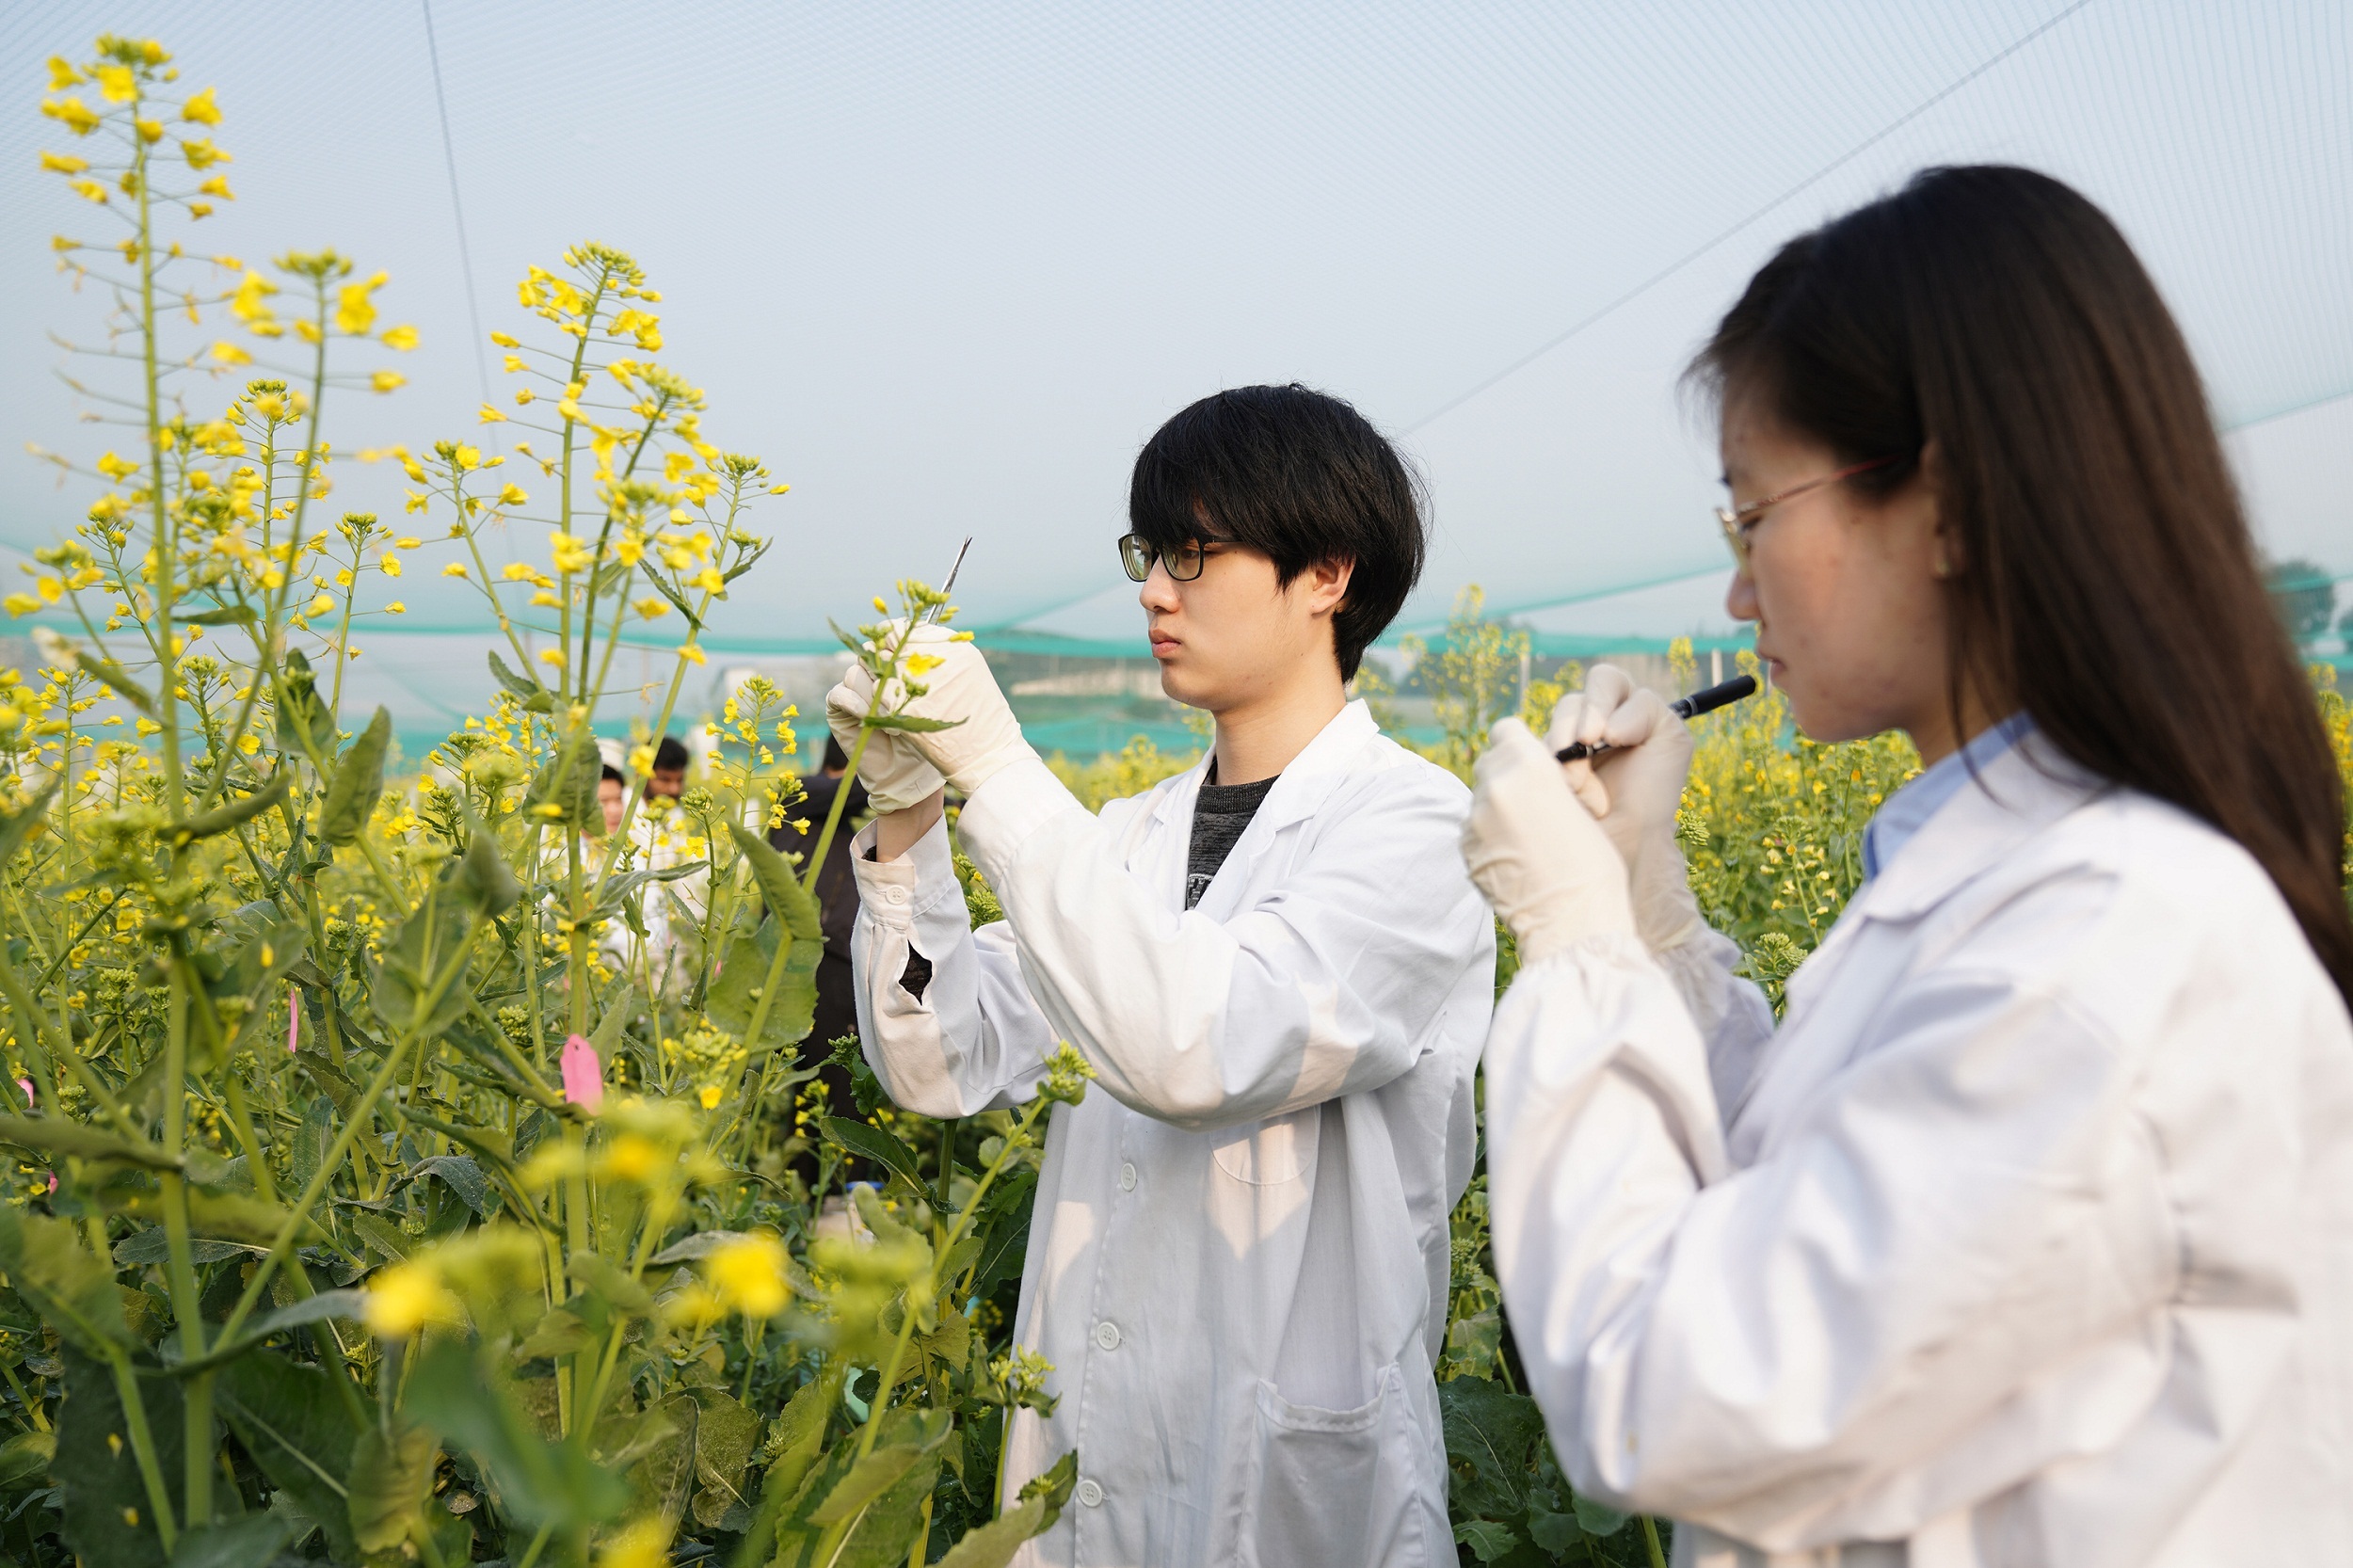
<point>1301,477</point>
<point>837,760</point>
<point>614,773</point>
<point>670,756</point>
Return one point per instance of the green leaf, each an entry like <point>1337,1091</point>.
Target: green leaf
<point>913,724</point>
<point>724,1436</point>
<point>879,1146</point>
<point>1005,1224</point>
<point>908,1435</point>
<point>256,1538</point>
<point>15,826</point>
<point>1595,1518</point>
<point>25,1457</point>
<point>57,1135</point>
<point>431,941</point>
<point>73,1288</point>
<point>107,1517</point>
<point>152,1245</point>
<point>310,1309</point>
<point>298,1431</point>
<point>734,996</point>
<point>389,1482</point>
<point>357,784</point>
<point>387,1239</point>
<point>522,686</point>
<point>568,781</point>
<point>536,698</point>
<point>1494,1433</point>
<point>677,603</point>
<point>1486,1539</point>
<point>801,1431</point>
<point>312,1141</point>
<point>779,887</point>
<point>119,679</point>
<point>1555,1532</point>
<point>1033,1513</point>
<point>304,725</point>
<point>888,1530</point>
<point>226,615</point>
<point>540,1482</point>
<point>460,1175</point>
<point>484,875</point>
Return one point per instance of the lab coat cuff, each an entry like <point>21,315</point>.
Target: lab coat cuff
<point>1016,801</point>
<point>894,892</point>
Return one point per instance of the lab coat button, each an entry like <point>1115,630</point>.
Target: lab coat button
<point>894,895</point>
<point>1107,1335</point>
<point>1090,1493</point>
<point>1127,1176</point>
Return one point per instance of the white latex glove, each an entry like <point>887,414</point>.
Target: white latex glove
<point>1633,790</point>
<point>1538,855</point>
<point>956,686</point>
<point>895,773</point>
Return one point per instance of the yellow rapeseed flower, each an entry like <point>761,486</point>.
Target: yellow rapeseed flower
<point>512,495</point>
<point>406,1297</point>
<point>387,380</point>
<point>354,310</point>
<point>643,1544</point>
<point>117,83</point>
<point>400,338</point>
<point>63,162</point>
<point>76,116</point>
<point>750,1274</point>
<point>61,73</point>
<point>227,352</point>
<point>455,569</point>
<point>202,109</point>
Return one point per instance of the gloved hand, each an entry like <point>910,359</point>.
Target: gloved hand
<point>957,689</point>
<point>895,773</point>
<point>1538,855</point>
<point>1633,790</point>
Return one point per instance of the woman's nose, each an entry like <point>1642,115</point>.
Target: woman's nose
<point>1740,599</point>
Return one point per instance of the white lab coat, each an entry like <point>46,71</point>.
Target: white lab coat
<point>2027,1239</point>
<point>1238,1260</point>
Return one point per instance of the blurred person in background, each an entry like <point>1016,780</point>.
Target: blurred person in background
<point>2025,1238</point>
<point>837,904</point>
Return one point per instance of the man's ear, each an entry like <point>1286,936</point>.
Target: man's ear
<point>1325,584</point>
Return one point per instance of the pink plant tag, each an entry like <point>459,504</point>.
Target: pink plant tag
<point>583,1075</point>
<point>294,1019</point>
<point>26,1085</point>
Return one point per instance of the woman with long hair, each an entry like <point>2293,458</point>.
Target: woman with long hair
<point>2026,1238</point>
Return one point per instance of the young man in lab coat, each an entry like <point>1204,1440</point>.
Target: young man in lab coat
<point>1282,975</point>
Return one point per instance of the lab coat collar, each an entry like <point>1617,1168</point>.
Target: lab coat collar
<point>1303,786</point>
<point>2010,799</point>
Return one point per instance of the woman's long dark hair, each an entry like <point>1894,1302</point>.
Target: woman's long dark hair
<point>2108,583</point>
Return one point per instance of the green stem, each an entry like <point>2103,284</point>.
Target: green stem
<point>1650,1540</point>
<point>362,1113</point>
<point>143,1445</point>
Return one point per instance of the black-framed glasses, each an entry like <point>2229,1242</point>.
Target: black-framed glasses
<point>1183,559</point>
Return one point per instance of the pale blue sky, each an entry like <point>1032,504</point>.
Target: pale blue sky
<point>946,267</point>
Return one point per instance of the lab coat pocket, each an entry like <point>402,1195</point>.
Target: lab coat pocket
<point>1279,1149</point>
<point>1332,1487</point>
